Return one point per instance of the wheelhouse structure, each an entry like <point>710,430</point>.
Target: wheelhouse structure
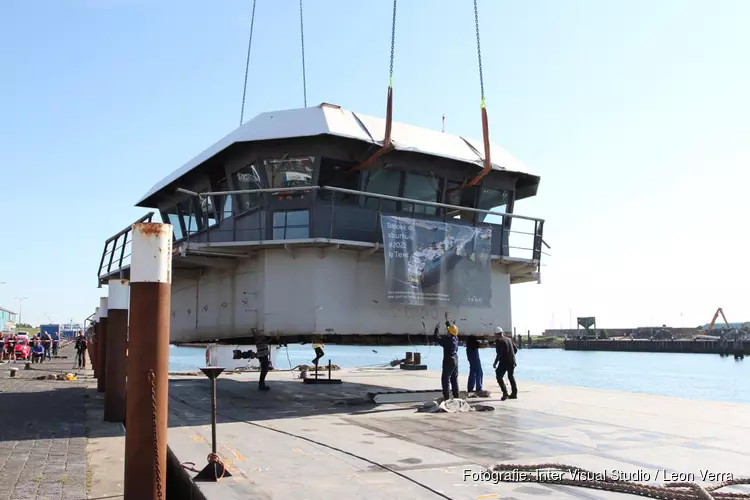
<point>279,229</point>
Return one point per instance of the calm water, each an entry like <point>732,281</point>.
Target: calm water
<point>697,376</point>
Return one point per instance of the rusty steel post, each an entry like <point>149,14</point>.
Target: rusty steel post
<point>101,350</point>
<point>148,362</point>
<point>95,345</point>
<point>117,329</point>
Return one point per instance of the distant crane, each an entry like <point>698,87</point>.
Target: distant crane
<point>716,316</point>
<point>48,318</point>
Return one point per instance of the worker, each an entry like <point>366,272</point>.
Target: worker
<point>263,354</point>
<point>319,353</point>
<point>505,362</point>
<point>476,376</point>
<point>449,375</point>
<point>81,346</point>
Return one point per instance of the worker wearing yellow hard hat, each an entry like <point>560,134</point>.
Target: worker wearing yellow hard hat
<point>449,343</point>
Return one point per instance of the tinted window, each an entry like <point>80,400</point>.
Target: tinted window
<point>423,188</point>
<point>290,172</point>
<point>223,202</point>
<point>189,215</point>
<point>209,211</point>
<point>495,200</point>
<point>334,173</point>
<point>291,225</point>
<point>382,181</point>
<point>465,197</point>
<point>174,219</point>
<point>247,178</point>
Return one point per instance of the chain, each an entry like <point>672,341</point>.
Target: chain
<point>247,63</point>
<point>479,50</point>
<point>157,469</point>
<point>302,37</point>
<point>393,43</point>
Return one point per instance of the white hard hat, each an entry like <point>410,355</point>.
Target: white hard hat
<point>498,330</point>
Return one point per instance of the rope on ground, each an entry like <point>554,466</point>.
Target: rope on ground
<point>214,458</point>
<point>542,473</point>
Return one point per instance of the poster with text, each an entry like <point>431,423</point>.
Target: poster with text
<point>430,263</point>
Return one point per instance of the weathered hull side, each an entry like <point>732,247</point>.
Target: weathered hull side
<point>312,290</point>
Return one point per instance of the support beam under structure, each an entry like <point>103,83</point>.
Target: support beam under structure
<point>148,362</point>
<point>101,381</point>
<point>117,331</point>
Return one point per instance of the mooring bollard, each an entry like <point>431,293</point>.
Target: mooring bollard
<point>117,331</point>
<point>215,469</point>
<point>13,372</point>
<point>101,382</point>
<point>148,362</point>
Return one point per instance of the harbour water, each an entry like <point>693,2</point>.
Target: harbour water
<point>695,376</point>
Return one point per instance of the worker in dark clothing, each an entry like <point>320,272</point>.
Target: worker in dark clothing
<point>81,346</point>
<point>505,362</point>
<point>449,375</point>
<point>476,376</point>
<point>264,356</point>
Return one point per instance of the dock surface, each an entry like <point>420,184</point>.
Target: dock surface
<point>318,442</point>
<point>53,442</point>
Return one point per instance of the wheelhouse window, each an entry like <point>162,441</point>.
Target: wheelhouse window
<point>495,200</point>
<point>466,197</point>
<point>335,173</point>
<point>223,202</point>
<point>210,216</point>
<point>189,214</point>
<point>173,218</point>
<point>291,225</point>
<point>247,178</point>
<point>382,181</point>
<point>290,173</point>
<point>422,188</point>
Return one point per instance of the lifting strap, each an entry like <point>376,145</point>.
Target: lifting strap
<point>485,126</point>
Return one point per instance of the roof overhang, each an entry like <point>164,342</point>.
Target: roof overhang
<point>329,119</point>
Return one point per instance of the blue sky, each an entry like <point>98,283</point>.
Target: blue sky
<point>633,112</point>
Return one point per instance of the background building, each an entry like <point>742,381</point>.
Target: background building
<point>7,319</point>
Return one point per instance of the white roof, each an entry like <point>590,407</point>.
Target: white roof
<point>327,119</point>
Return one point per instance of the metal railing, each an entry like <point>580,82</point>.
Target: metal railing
<point>117,250</point>
<point>519,236</point>
<point>328,218</point>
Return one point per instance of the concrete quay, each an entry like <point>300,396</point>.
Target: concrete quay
<point>319,442</point>
<point>53,442</point>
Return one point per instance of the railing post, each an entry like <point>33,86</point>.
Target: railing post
<point>148,362</point>
<point>101,383</point>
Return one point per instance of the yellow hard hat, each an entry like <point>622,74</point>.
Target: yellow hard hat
<point>453,330</point>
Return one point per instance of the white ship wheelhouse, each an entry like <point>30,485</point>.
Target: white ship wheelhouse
<point>277,230</point>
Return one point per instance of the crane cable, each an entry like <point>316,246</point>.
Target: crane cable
<point>479,51</point>
<point>485,126</point>
<point>247,62</point>
<point>302,38</point>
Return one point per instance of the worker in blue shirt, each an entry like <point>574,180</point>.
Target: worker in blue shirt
<point>449,343</point>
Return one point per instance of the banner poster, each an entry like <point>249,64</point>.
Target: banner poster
<point>429,263</point>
